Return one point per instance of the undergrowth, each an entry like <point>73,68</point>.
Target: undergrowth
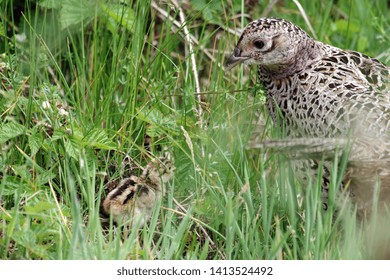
<point>85,84</point>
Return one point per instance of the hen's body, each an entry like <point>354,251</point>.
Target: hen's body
<point>320,91</point>
<point>332,96</point>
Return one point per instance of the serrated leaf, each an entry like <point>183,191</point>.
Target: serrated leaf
<point>23,171</point>
<point>51,4</point>
<point>45,176</point>
<point>35,141</point>
<point>75,12</point>
<point>58,134</point>
<point>159,123</point>
<point>10,130</point>
<point>120,14</point>
<point>71,148</point>
<point>11,184</point>
<point>39,207</point>
<point>98,138</point>
<point>211,10</point>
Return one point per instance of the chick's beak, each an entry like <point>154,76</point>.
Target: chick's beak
<point>235,59</point>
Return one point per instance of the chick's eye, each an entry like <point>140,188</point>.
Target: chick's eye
<point>259,44</point>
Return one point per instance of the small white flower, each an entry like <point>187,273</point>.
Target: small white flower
<point>63,112</point>
<point>20,37</point>
<point>46,105</point>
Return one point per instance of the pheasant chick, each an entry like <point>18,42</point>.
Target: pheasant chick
<point>132,201</point>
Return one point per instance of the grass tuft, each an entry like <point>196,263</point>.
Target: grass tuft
<point>82,89</point>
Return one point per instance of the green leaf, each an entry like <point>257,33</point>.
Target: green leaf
<point>59,134</point>
<point>44,176</point>
<point>211,10</point>
<point>362,43</point>
<point>198,5</point>
<point>350,26</point>
<point>2,29</point>
<point>39,207</point>
<point>159,123</point>
<point>72,149</point>
<point>35,141</point>
<point>99,138</point>
<point>75,12</point>
<point>119,14</point>
<point>10,130</point>
<point>23,171</point>
<point>51,4</point>
<point>11,184</point>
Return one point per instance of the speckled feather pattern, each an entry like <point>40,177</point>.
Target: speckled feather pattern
<point>321,90</point>
<point>133,199</point>
<point>318,90</point>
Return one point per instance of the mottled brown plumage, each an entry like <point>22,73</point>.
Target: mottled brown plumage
<point>132,200</point>
<point>318,91</point>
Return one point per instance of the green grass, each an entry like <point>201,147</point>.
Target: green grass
<point>82,90</point>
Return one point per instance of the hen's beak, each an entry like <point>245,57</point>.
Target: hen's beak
<point>235,59</point>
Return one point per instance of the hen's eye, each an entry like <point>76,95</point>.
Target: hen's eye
<point>259,44</point>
